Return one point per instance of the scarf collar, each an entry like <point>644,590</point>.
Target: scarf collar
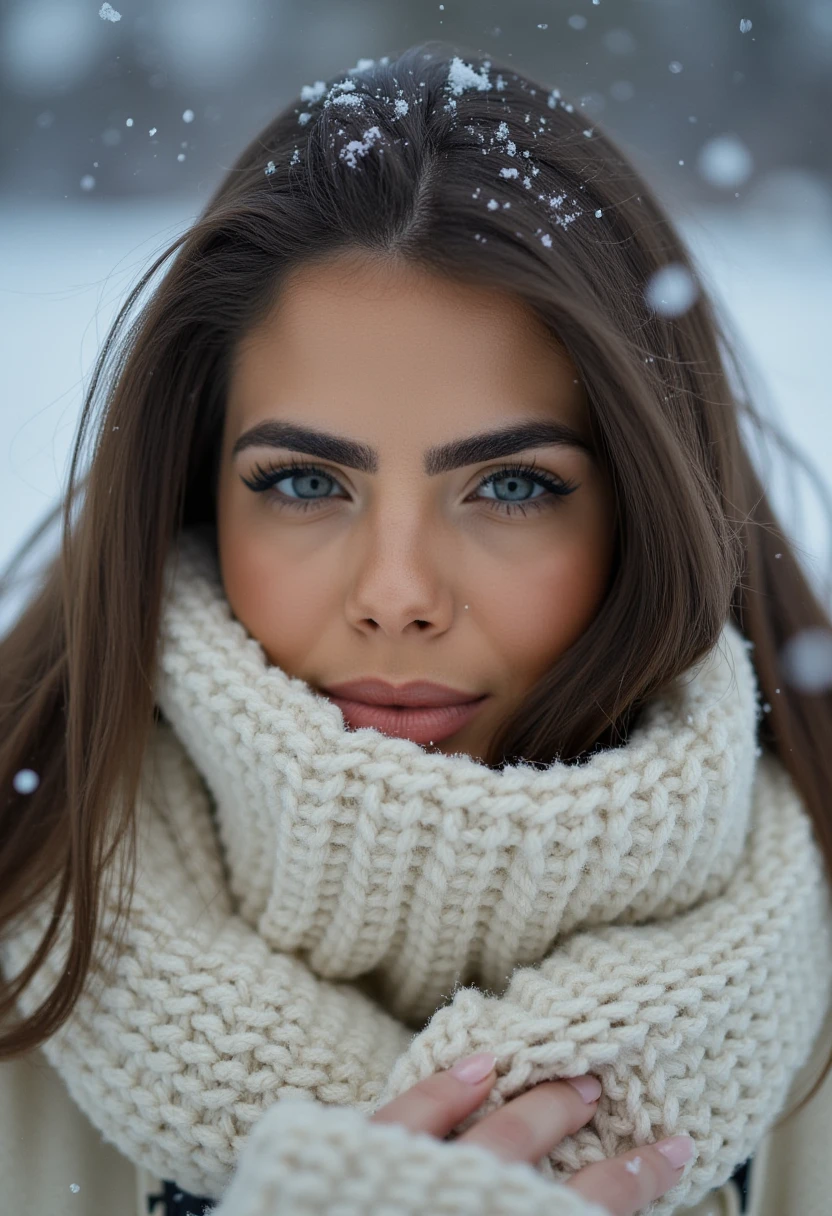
<point>368,856</point>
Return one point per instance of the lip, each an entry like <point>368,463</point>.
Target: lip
<point>425,725</point>
<point>417,694</point>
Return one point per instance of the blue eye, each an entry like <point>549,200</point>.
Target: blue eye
<point>266,481</point>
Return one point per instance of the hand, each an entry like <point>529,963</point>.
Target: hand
<point>527,1127</point>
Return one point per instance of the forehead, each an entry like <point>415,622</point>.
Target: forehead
<point>401,298</point>
<point>355,330</point>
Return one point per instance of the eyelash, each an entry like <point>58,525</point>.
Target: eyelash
<point>265,480</point>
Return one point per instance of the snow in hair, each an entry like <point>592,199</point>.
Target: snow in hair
<point>359,147</point>
<point>462,76</point>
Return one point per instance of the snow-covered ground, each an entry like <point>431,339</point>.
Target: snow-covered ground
<point>65,268</point>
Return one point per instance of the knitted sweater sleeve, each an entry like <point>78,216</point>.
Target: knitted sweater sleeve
<point>304,1159</point>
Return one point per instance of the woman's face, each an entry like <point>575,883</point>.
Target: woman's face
<point>391,563</point>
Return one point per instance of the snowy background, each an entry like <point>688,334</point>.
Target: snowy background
<point>728,120</point>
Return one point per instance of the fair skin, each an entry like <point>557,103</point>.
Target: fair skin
<point>529,1126</point>
<point>397,573</point>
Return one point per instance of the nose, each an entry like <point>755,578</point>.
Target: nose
<point>404,580</point>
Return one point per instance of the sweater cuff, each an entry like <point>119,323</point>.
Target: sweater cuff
<point>306,1159</point>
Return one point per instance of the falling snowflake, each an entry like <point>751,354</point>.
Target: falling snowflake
<point>188,116</point>
<point>87,182</point>
<point>129,122</point>
<point>153,130</point>
<point>807,660</point>
<point>675,66</point>
<point>745,25</point>
<point>108,13</point>
<point>671,291</point>
<point>543,25</point>
<point>26,781</point>
<point>577,22</point>
<point>725,161</point>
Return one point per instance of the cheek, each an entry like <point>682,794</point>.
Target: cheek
<point>546,604</point>
<point>281,603</point>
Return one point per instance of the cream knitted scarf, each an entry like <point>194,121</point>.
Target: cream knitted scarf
<point>310,901</point>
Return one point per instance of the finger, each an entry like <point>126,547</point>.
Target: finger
<point>625,1184</point>
<point>528,1127</point>
<point>436,1104</point>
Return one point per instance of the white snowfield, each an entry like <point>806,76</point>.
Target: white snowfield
<point>66,267</point>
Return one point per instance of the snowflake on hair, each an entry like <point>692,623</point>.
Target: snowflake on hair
<point>360,147</point>
<point>462,76</point>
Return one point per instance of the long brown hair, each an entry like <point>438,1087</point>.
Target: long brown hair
<point>402,158</point>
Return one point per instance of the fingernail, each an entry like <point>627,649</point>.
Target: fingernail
<point>474,1068</point>
<point>588,1087</point>
<point>678,1150</point>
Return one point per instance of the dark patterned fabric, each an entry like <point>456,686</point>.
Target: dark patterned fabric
<point>742,1177</point>
<point>176,1202</point>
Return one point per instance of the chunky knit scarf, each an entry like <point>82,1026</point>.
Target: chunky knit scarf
<point>332,914</point>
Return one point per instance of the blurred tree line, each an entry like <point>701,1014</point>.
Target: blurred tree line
<point>156,97</point>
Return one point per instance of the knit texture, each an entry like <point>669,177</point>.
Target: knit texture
<point>307,1160</point>
<point>337,914</point>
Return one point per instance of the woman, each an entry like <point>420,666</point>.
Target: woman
<point>412,406</point>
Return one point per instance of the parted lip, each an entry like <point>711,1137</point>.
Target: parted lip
<point>417,693</point>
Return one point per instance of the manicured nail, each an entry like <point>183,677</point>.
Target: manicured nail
<point>474,1068</point>
<point>588,1087</point>
<point>678,1150</point>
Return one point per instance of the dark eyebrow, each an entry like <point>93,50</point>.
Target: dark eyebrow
<point>488,445</point>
